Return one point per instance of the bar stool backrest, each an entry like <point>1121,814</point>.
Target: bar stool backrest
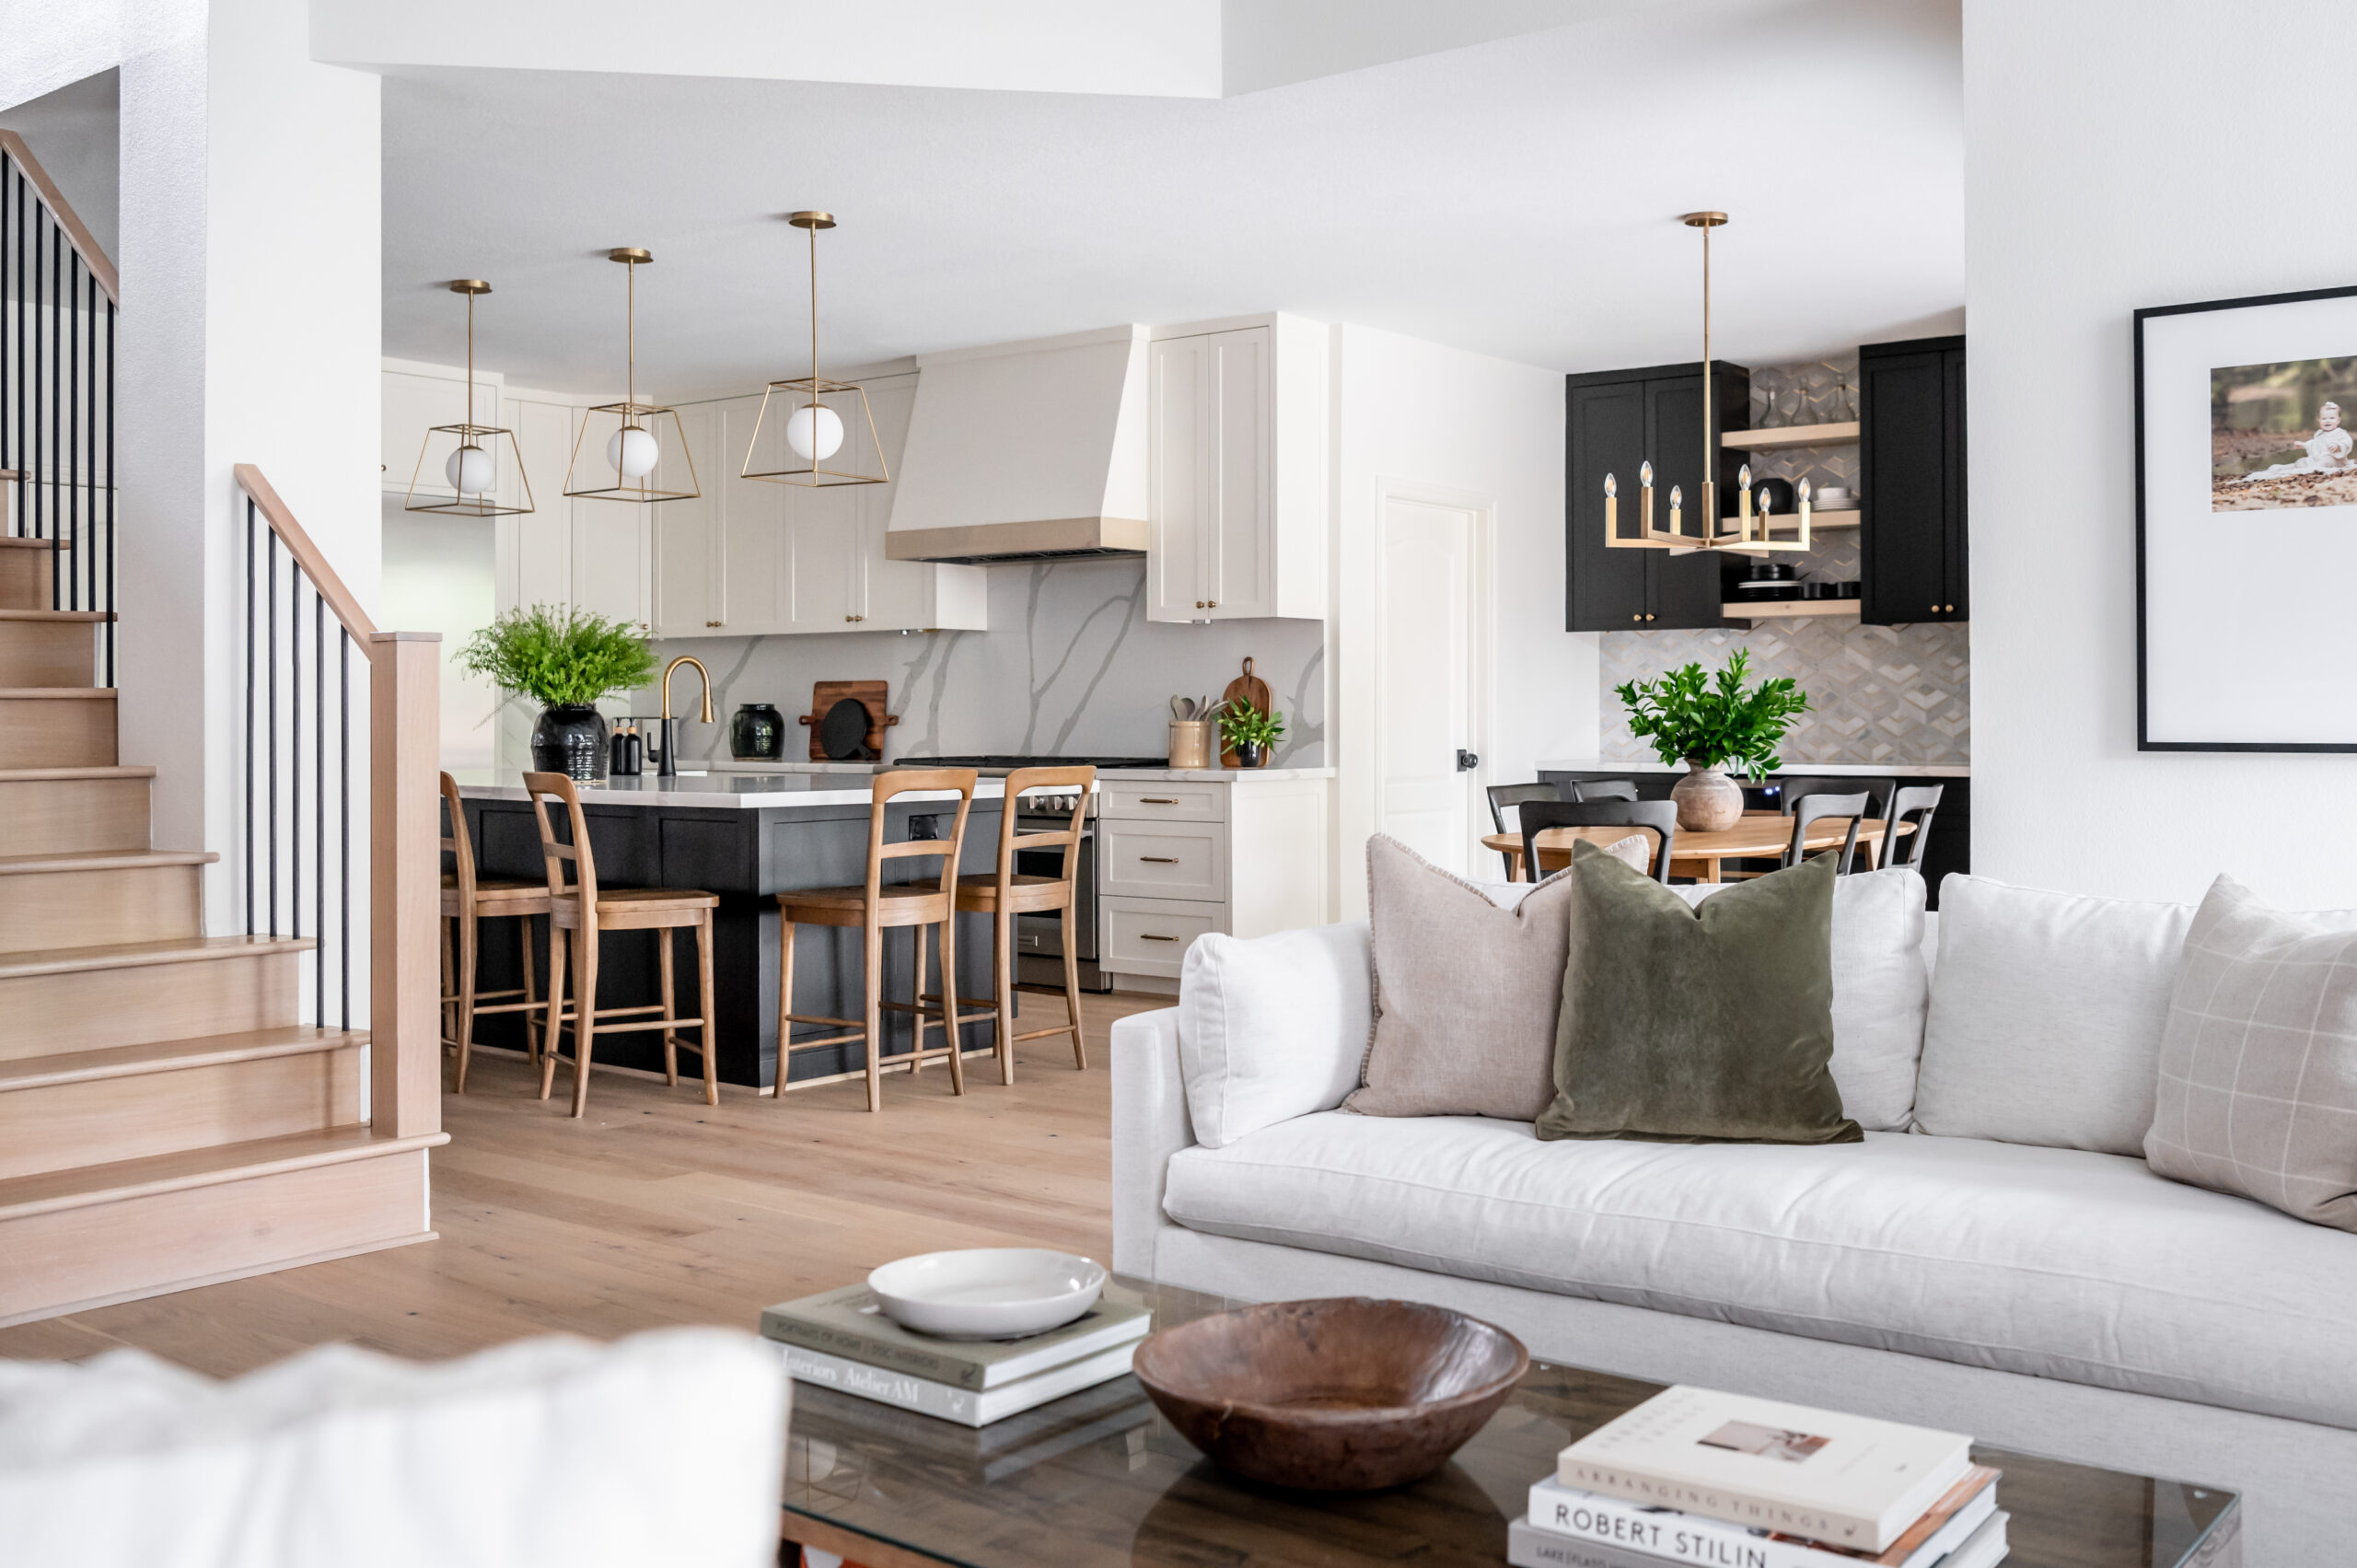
<point>902,780</point>
<point>456,844</point>
<point>1077,782</point>
<point>543,789</point>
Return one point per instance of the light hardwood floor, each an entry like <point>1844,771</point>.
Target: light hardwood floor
<point>659,1210</point>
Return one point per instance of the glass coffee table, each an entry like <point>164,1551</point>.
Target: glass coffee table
<point>1098,1479</point>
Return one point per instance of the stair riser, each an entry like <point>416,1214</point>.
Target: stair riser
<point>74,1258</point>
<point>73,816</point>
<point>65,1125</point>
<point>47,652</point>
<point>57,732</point>
<point>25,581</point>
<point>43,1014</point>
<point>87,908</point>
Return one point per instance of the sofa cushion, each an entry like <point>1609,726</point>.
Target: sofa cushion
<point>1879,989</point>
<point>1465,991</point>
<point>2258,1091</point>
<point>2046,1016</point>
<point>2052,1262</point>
<point>1272,1027</point>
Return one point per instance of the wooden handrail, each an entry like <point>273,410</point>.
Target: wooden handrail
<point>77,233</point>
<point>309,556</point>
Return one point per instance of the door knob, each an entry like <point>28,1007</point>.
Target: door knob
<point>1466,760</point>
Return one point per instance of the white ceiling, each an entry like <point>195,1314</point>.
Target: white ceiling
<point>1517,197</point>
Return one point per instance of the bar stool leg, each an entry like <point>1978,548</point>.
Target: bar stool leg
<point>531,990</point>
<point>949,1002</point>
<point>1071,993</point>
<point>916,999</point>
<point>450,982</point>
<point>584,1016</point>
<point>550,1032</point>
<point>785,1002</point>
<point>671,1008</point>
<point>872,936</point>
<point>1002,989</point>
<point>705,1007</point>
<point>469,951</point>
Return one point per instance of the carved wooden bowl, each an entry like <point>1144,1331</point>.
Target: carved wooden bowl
<point>1344,1395</point>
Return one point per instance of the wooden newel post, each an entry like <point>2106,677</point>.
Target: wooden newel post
<point>404,883</point>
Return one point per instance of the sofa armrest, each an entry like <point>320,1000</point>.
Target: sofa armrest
<point>1150,1124</point>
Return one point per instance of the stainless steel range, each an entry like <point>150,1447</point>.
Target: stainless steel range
<point>1038,939</point>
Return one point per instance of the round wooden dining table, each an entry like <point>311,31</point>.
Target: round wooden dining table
<point>1762,835</point>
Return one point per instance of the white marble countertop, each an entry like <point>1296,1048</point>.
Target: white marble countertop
<point>1831,770</point>
<point>1155,775</point>
<point>753,792</point>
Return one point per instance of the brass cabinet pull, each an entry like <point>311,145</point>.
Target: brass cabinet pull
<point>1210,604</point>
<point>711,623</point>
<point>1649,615</point>
<point>1150,936</point>
<point>1639,615</point>
<point>1159,859</point>
<point>1155,800</point>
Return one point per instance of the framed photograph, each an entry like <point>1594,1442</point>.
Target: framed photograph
<point>2246,523</point>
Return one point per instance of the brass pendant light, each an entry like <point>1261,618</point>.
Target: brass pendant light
<point>471,452</point>
<point>629,434</point>
<point>806,419</point>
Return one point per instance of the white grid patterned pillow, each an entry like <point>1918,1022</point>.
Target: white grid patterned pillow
<point>2258,1062</point>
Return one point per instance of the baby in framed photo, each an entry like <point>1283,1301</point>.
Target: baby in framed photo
<point>2278,436</point>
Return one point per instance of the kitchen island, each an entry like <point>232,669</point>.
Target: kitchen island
<point>746,838</point>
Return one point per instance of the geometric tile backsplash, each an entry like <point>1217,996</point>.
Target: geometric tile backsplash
<point>1897,694</point>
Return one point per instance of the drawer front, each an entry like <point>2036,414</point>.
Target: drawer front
<point>1129,801</point>
<point>1163,860</point>
<point>1151,936</point>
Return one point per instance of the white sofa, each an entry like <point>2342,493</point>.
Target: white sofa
<point>2056,1299</point>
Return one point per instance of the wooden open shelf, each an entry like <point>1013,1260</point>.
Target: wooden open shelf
<point>1839,435</point>
<point>1793,609</point>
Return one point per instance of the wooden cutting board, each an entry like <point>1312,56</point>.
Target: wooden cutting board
<point>1253,692</point>
<point>870,694</point>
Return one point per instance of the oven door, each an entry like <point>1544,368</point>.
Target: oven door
<point>1040,938</point>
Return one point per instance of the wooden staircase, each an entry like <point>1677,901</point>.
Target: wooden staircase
<point>165,1121</point>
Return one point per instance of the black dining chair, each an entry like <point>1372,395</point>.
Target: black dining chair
<point>1510,798</point>
<point>1810,809</point>
<point>1602,789</point>
<point>1909,851</point>
<point>1657,817</point>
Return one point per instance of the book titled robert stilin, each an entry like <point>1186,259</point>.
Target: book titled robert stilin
<point>1846,1481</point>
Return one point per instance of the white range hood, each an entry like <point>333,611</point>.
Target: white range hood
<point>1026,451</point>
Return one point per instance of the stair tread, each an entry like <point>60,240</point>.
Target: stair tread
<point>94,770</point>
<point>62,615</point>
<point>67,693</point>
<point>21,541</point>
<point>82,1186</point>
<point>172,1055</point>
<point>129,955</point>
<point>104,860</point>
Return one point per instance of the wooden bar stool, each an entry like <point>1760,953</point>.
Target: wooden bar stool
<point>875,907</point>
<point>467,901</point>
<point>589,912</point>
<point>1005,892</point>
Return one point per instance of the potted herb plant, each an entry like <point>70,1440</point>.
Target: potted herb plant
<point>1251,733</point>
<point>564,659</point>
<point>1710,725</point>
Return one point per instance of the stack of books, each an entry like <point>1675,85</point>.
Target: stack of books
<point>1727,1481</point>
<point>840,1339</point>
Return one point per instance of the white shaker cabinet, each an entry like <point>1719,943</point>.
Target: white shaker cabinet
<point>1237,471</point>
<point>589,554</point>
<point>683,535</point>
<point>893,596</point>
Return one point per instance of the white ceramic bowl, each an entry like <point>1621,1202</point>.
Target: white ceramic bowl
<point>986,1293</point>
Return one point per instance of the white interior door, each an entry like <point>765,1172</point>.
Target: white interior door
<point>1426,673</point>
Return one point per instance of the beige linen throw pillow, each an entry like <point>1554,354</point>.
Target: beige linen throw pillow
<point>2259,1060</point>
<point>1466,993</point>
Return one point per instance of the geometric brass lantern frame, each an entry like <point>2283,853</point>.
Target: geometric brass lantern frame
<point>470,434</point>
<point>628,414</point>
<point>814,391</point>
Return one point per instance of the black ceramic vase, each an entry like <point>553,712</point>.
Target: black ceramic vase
<point>1250,754</point>
<point>570,739</point>
<point>757,733</point>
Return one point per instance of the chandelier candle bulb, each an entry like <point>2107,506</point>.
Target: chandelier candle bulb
<point>1611,508</point>
<point>1677,509</point>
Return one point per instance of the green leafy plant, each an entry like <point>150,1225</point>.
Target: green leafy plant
<point>559,657</point>
<point>1689,717</point>
<point>1241,725</point>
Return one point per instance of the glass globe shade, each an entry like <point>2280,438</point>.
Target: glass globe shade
<point>632,452</point>
<point>471,471</point>
<point>828,429</point>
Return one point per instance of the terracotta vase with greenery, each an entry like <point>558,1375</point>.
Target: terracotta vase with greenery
<point>565,660</point>
<point>1712,725</point>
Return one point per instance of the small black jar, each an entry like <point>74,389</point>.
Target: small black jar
<point>757,733</point>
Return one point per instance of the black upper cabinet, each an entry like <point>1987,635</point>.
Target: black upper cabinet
<point>1615,421</point>
<point>1912,559</point>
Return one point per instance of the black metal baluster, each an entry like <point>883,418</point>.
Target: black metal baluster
<point>61,565</point>
<point>56,397</point>
<point>293,746</point>
<point>320,805</point>
<point>251,856</point>
<point>270,615</point>
<point>9,179</point>
<point>31,467</point>
<point>87,560</point>
<point>109,604</point>
<point>344,829</point>
<point>17,523</point>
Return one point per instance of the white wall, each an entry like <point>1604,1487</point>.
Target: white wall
<point>1421,418</point>
<point>2120,158</point>
<point>439,576</point>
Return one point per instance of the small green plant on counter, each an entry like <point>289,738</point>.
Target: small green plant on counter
<point>559,657</point>
<point>1242,725</point>
<point>1691,718</point>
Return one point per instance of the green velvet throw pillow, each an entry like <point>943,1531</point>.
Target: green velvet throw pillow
<point>1704,1023</point>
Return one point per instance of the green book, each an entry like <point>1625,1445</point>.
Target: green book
<point>849,1324</point>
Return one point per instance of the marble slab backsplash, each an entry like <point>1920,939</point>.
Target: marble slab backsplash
<point>1895,694</point>
<point>1071,666</point>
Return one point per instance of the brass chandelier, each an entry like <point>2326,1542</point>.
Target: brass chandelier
<point>472,467</point>
<point>809,416</point>
<point>633,451</point>
<point>1752,530</point>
